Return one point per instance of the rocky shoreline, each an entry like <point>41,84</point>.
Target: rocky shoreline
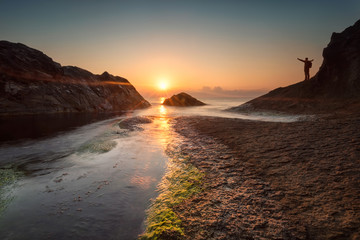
<point>266,180</point>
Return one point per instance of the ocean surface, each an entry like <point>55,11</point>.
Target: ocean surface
<point>83,177</point>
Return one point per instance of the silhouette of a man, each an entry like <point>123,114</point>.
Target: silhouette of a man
<point>307,66</point>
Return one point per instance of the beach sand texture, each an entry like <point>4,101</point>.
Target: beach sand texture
<point>267,180</point>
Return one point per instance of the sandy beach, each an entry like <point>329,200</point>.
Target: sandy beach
<point>266,180</point>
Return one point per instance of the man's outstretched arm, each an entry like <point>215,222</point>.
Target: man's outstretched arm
<point>301,60</point>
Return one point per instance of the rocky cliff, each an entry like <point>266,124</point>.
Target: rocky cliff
<point>336,86</point>
<point>182,100</point>
<point>31,83</point>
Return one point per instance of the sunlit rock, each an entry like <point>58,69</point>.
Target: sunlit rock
<point>31,82</point>
<point>182,100</point>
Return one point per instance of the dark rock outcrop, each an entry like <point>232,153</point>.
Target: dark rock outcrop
<point>336,86</point>
<point>182,100</point>
<point>32,83</point>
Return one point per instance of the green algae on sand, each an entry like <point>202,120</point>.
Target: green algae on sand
<point>8,176</point>
<point>181,181</point>
<point>104,142</point>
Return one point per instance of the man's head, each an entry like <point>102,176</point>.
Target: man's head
<point>306,58</point>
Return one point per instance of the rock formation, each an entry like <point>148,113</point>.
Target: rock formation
<point>32,83</point>
<point>336,86</point>
<point>182,100</point>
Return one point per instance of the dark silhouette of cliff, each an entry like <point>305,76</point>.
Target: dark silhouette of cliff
<point>32,83</point>
<point>336,86</point>
<point>182,100</point>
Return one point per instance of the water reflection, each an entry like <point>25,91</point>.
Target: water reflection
<point>143,182</point>
<point>162,111</point>
<point>16,128</point>
<point>162,123</point>
<point>90,195</point>
<point>162,99</point>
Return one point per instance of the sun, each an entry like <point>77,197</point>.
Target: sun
<point>162,85</point>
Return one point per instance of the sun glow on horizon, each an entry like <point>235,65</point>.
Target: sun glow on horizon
<point>163,85</point>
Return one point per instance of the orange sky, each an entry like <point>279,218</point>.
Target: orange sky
<point>242,65</point>
<point>235,45</point>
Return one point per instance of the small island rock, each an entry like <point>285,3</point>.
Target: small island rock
<point>182,100</point>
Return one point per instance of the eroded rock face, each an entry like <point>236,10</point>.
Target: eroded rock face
<point>336,86</point>
<point>182,100</point>
<point>31,82</point>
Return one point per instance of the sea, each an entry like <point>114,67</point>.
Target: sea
<point>81,176</point>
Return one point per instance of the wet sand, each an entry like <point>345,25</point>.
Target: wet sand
<point>268,180</point>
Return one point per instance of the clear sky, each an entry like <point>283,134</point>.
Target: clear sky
<point>189,45</point>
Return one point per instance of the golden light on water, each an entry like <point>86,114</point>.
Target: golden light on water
<point>162,121</point>
<point>162,111</point>
<point>143,182</point>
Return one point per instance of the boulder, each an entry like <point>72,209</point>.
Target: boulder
<point>32,83</point>
<point>335,87</point>
<point>182,100</point>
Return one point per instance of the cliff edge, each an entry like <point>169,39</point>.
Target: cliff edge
<point>335,87</point>
<point>32,83</point>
